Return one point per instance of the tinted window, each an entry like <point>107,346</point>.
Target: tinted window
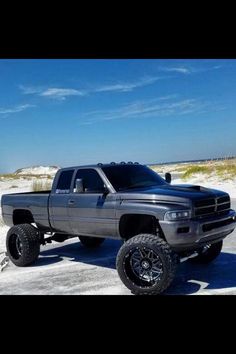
<point>124,177</point>
<point>64,182</point>
<point>91,180</point>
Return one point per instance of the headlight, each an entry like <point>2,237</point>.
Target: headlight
<point>177,215</point>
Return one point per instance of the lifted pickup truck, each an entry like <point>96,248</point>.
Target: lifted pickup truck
<point>161,224</point>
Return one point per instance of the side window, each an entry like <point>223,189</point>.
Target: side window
<point>91,180</point>
<point>64,182</point>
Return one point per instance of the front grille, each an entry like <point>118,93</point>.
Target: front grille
<point>204,202</point>
<point>211,206</point>
<point>215,225</point>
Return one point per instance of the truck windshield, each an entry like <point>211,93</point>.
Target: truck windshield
<point>125,177</point>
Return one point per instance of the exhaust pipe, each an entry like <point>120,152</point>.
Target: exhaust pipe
<point>195,253</point>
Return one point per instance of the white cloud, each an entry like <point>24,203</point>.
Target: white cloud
<point>116,87</point>
<point>61,93</point>
<point>51,92</point>
<point>157,107</point>
<point>29,90</point>
<point>178,69</point>
<point>16,109</point>
<point>128,86</point>
<point>190,69</point>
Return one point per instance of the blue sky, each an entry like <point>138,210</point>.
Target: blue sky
<point>71,112</point>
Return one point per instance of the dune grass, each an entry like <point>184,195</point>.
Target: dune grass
<point>192,170</point>
<point>41,185</point>
<point>225,170</point>
<point>15,176</point>
<point>9,176</point>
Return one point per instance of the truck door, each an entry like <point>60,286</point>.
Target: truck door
<point>58,202</point>
<point>92,212</point>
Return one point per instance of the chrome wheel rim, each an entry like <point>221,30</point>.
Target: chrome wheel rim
<point>143,266</point>
<point>15,246</point>
<point>18,246</point>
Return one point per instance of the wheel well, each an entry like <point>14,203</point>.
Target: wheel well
<point>21,216</point>
<point>134,224</point>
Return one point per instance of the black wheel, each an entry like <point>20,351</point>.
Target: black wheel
<point>91,242</point>
<point>209,255</point>
<point>146,264</point>
<point>23,244</point>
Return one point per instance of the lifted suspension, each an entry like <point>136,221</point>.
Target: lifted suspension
<point>56,237</point>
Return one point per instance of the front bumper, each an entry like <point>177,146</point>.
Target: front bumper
<point>193,234</point>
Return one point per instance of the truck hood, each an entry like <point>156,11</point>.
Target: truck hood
<point>173,193</point>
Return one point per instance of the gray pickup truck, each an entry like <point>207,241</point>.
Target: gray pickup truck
<point>160,224</point>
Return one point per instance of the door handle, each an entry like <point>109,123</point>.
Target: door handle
<point>71,202</point>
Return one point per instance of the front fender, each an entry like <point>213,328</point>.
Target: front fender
<point>144,207</point>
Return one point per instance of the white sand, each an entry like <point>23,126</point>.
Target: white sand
<point>211,182</point>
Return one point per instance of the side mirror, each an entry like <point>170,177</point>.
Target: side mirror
<point>168,177</point>
<point>79,186</point>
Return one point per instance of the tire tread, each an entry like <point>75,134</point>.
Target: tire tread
<point>30,240</point>
<point>171,258</point>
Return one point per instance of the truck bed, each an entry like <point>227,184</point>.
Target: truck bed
<point>34,202</point>
<point>25,193</point>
